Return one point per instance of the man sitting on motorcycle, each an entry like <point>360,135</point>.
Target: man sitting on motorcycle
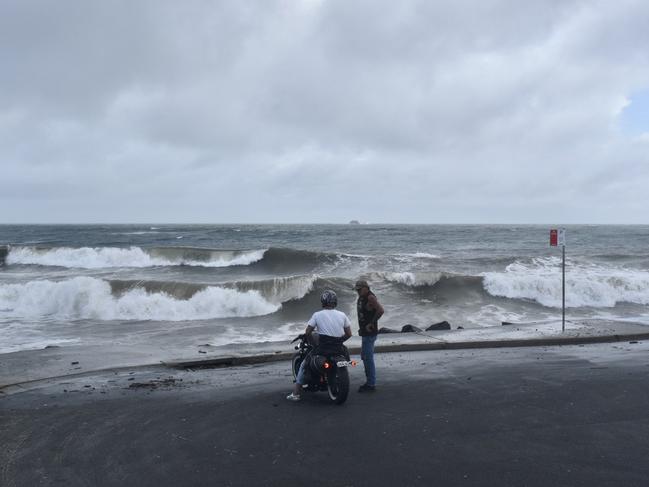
<point>334,328</point>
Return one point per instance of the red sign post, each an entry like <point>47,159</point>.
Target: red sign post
<point>558,237</point>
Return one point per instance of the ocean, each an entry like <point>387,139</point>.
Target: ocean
<point>167,285</point>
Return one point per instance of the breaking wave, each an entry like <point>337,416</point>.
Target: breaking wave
<point>287,260</point>
<point>277,290</point>
<point>411,279</point>
<point>280,289</point>
<point>587,285</point>
<point>83,298</point>
<point>273,260</point>
<point>103,257</point>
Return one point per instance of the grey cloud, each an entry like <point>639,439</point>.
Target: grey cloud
<point>427,111</point>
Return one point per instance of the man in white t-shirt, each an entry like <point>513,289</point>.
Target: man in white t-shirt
<point>328,322</point>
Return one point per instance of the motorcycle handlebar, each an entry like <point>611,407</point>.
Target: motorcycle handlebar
<point>299,337</point>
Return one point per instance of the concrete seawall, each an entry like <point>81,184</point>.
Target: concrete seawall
<point>4,250</point>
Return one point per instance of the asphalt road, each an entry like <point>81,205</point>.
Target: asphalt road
<point>563,416</point>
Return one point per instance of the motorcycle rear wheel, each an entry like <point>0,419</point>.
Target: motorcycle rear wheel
<point>338,388</point>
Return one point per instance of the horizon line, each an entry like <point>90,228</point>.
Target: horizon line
<point>328,223</point>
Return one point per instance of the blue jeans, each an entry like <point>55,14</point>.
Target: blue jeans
<point>367,355</point>
<point>301,373</point>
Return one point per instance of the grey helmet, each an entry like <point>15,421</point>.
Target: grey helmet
<point>329,299</point>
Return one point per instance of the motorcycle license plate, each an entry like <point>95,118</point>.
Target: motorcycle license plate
<point>344,363</point>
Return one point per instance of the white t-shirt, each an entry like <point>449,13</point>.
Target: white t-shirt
<point>330,322</point>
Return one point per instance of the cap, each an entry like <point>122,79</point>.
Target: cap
<point>361,284</point>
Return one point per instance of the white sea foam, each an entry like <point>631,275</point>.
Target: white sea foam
<point>85,257</point>
<point>245,258</point>
<point>90,298</point>
<point>33,343</point>
<point>491,315</point>
<point>103,257</point>
<point>411,278</point>
<point>586,284</point>
<point>423,255</point>
<point>283,333</point>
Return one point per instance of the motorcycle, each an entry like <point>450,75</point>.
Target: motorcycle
<point>324,371</point>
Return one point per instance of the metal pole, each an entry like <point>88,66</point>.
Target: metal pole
<point>563,288</point>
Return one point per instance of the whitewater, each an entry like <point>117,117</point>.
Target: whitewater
<point>251,283</point>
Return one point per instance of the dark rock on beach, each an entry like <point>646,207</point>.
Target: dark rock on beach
<point>4,250</point>
<point>410,329</point>
<point>443,325</point>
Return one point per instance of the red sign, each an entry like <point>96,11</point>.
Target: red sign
<point>558,237</point>
<point>554,237</point>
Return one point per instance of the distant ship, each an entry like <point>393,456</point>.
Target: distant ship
<point>354,222</point>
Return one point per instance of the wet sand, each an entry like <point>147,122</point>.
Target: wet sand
<point>559,416</point>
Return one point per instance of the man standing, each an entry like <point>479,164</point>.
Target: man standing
<point>369,311</point>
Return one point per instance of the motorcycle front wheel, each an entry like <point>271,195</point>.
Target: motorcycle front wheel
<point>338,388</point>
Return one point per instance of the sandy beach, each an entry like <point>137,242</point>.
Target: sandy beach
<point>562,416</point>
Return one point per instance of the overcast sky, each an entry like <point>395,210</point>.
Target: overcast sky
<point>459,111</point>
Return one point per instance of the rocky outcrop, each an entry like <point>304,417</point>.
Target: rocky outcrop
<point>410,329</point>
<point>443,325</point>
<point>4,250</point>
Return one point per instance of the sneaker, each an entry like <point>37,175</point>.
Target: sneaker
<point>293,397</point>
<point>366,388</point>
